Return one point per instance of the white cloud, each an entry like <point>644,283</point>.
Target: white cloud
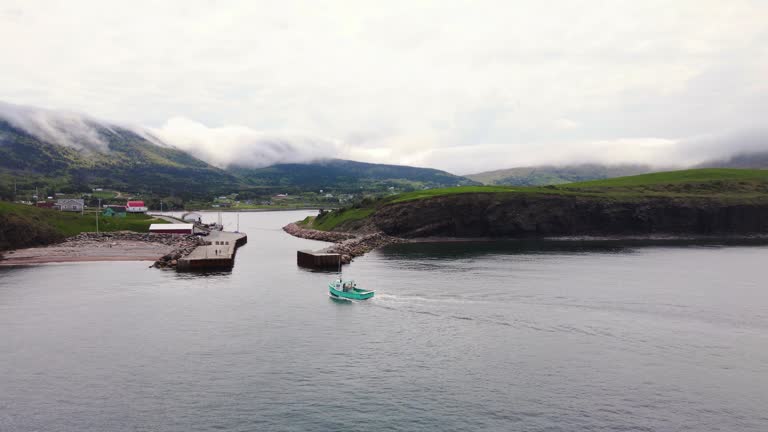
<point>241,146</point>
<point>65,128</point>
<point>401,81</point>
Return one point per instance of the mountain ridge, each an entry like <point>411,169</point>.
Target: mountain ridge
<point>70,153</point>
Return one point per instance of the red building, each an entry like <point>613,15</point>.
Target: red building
<point>136,207</point>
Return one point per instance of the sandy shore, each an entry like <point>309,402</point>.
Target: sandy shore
<point>117,250</point>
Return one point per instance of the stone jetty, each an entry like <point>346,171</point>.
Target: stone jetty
<point>216,252</point>
<point>347,245</point>
<point>359,246</point>
<point>327,236</point>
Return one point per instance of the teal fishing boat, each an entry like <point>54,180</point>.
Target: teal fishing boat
<point>348,290</point>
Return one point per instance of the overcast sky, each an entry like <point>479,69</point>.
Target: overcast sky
<point>464,86</point>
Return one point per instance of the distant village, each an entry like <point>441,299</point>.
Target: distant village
<point>78,205</point>
<point>117,204</point>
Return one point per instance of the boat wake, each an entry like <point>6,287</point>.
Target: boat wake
<point>417,299</point>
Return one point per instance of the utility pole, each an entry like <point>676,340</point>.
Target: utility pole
<point>98,211</point>
<point>161,206</point>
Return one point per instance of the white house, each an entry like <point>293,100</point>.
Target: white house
<point>72,205</point>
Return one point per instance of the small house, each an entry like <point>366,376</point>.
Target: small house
<point>44,204</point>
<point>136,207</point>
<point>71,205</point>
<point>172,228</point>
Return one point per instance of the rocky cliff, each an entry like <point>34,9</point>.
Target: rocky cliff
<point>538,215</point>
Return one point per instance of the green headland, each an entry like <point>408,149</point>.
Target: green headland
<point>663,202</point>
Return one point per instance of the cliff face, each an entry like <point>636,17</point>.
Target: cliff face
<point>492,215</point>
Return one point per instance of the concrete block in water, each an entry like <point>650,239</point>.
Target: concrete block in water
<point>310,259</point>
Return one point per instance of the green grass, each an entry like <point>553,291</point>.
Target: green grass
<point>68,224</point>
<point>721,185</point>
<point>333,219</point>
<point>694,176</point>
<point>431,193</point>
<point>713,182</point>
<point>104,194</point>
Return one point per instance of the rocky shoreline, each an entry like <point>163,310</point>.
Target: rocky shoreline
<point>359,246</point>
<point>112,246</point>
<point>184,246</point>
<point>310,234</point>
<point>348,245</point>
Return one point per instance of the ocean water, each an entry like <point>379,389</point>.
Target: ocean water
<point>529,336</point>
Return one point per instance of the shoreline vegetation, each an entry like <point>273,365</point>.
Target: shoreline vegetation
<point>702,204</point>
<point>25,226</point>
<point>31,235</point>
<point>705,204</point>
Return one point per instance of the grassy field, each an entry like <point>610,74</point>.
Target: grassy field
<point>717,176</point>
<point>332,219</point>
<point>685,183</point>
<point>104,194</point>
<point>25,220</point>
<point>431,193</point>
<point>725,185</point>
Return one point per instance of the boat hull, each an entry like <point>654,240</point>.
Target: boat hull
<point>354,294</point>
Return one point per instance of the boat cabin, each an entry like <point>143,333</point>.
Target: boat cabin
<point>345,286</point>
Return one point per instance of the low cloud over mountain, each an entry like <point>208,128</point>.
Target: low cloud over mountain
<point>65,128</point>
<point>220,146</point>
<point>242,146</point>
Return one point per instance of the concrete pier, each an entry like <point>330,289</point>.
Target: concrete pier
<point>311,259</point>
<point>218,252</point>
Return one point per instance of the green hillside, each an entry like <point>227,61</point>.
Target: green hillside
<point>25,226</point>
<point>717,184</point>
<point>705,181</point>
<point>554,175</point>
<point>131,163</point>
<point>348,176</point>
<point>708,181</point>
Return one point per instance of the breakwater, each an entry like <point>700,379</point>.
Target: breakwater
<point>347,245</point>
<point>359,246</point>
<point>216,252</point>
<point>310,234</point>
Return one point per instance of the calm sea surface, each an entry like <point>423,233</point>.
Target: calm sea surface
<point>474,336</point>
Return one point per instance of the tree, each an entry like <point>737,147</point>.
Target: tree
<point>6,192</point>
